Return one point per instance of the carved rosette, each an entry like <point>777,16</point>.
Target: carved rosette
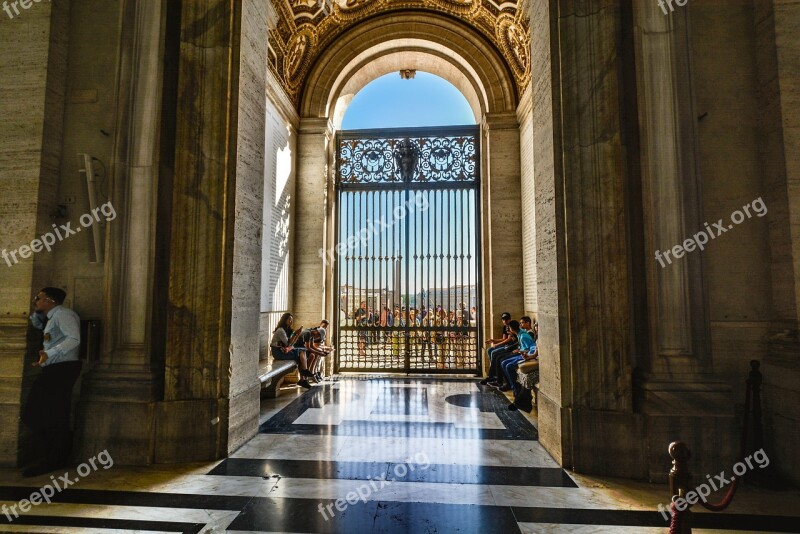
<point>515,42</point>
<point>298,57</point>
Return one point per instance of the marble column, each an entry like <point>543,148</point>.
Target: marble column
<point>116,408</point>
<point>33,59</point>
<point>314,145</point>
<point>211,389</point>
<point>207,348</point>
<point>778,60</point>
<point>501,216</point>
<point>580,177</point>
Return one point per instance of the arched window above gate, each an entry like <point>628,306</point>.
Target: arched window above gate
<point>407,98</point>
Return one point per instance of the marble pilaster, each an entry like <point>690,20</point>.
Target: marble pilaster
<point>118,393</point>
<point>314,145</point>
<point>553,434</point>
<point>671,195</point>
<point>502,215</point>
<point>677,388</point>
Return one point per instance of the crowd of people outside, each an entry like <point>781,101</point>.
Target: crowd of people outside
<point>385,316</point>
<point>431,332</point>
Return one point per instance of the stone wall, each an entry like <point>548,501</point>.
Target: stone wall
<point>777,58</point>
<point>89,119</point>
<point>724,72</point>
<point>33,64</point>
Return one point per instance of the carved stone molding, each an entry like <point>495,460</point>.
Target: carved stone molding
<point>306,27</point>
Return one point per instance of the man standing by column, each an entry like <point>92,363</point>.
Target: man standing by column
<point>47,411</point>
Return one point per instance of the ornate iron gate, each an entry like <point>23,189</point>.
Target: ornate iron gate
<point>407,254</point>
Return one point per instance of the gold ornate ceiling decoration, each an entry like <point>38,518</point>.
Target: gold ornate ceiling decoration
<point>306,27</point>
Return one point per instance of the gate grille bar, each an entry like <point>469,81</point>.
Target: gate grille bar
<point>407,270</point>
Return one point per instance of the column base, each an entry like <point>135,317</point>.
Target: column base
<point>119,411</point>
<point>191,430</point>
<point>781,396</point>
<point>691,395</point>
<point>634,445</point>
<point>116,412</point>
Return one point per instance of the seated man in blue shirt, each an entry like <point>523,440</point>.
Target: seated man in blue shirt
<point>519,329</point>
<point>526,351</point>
<point>47,411</point>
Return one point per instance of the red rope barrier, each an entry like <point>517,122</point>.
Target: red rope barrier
<point>677,523</point>
<point>726,501</point>
<point>680,522</point>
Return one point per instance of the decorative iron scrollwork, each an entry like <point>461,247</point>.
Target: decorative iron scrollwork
<point>440,157</point>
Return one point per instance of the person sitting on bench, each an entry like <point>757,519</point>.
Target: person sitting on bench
<point>524,343</point>
<point>498,345</point>
<point>310,341</point>
<point>527,348</point>
<point>282,349</point>
<point>323,346</point>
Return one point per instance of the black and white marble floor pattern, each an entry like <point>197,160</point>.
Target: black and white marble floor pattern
<point>381,455</point>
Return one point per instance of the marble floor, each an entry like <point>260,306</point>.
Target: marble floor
<point>421,455</point>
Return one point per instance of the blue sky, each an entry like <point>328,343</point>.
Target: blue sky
<point>425,100</point>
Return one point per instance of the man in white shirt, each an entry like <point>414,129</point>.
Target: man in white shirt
<point>47,411</point>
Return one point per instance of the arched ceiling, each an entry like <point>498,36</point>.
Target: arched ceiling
<point>306,27</point>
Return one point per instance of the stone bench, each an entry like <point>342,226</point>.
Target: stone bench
<point>271,374</point>
<point>528,377</point>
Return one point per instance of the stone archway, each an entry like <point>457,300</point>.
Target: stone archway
<point>458,54</point>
